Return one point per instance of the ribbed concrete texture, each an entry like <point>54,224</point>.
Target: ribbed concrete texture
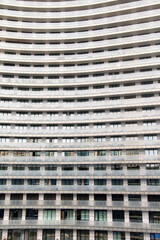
<point>80,120</point>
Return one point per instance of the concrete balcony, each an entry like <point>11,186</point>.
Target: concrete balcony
<point>81,204</point>
<point>71,5</point>
<point>61,94</point>
<point>78,47</point>
<point>143,189</point>
<point>83,24</point>
<point>126,174</point>
<point>60,132</point>
<point>86,160</point>
<point>72,224</point>
<point>80,146</point>
<point>79,35</point>
<point>77,106</point>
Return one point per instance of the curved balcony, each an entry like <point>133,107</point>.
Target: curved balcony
<point>82,24</point>
<point>126,7</point>
<point>77,106</point>
<point>82,46</point>
<point>62,94</point>
<point>78,35</point>
<point>86,160</point>
<point>75,174</point>
<point>80,58</point>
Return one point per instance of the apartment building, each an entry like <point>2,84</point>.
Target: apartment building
<point>80,120</point>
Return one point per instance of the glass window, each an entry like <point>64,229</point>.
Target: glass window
<point>67,181</point>
<point>31,214</point>
<point>17,182</point>
<point>155,236</point>
<point>15,214</point>
<point>48,234</point>
<point>135,216</point>
<point>117,181</point>
<point>118,215</point>
<point>33,181</point>
<point>100,215</point>
<point>154,217</point>
<point>49,214</point>
<point>32,235</point>
<point>3,181</point>
<point>132,197</point>
<point>16,234</point>
<point>3,167</point>
<point>136,236</point>
<point>153,182</point>
<point>101,235</point>
<point>82,215</point>
<point>100,181</point>
<point>118,236</point>
<point>50,167</point>
<point>135,182</point>
<point>67,214</point>
<point>66,234</point>
<point>82,234</point>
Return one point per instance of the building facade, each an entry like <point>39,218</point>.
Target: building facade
<point>79,120</point>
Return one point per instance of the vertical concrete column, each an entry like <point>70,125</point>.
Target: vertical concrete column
<point>127,236</point>
<point>126,216</point>
<point>109,216</point>
<point>146,236</point>
<point>74,234</point>
<point>126,202</point>
<point>6,214</point>
<point>4,233</point>
<point>91,235</point>
<point>7,198</point>
<point>110,235</point>
<point>40,214</point>
<point>91,199</point>
<point>23,214</point>
<point>58,214</point>
<point>57,234</point>
<point>91,215</point>
<point>109,200</point>
<point>145,217</point>
<point>39,234</point>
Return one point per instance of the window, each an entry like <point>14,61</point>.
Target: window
<point>132,152</point>
<point>133,167</point>
<point>15,214</point>
<point>17,182</point>
<point>82,215</point>
<point>118,235</point>
<point>50,167</point>
<point>155,236</point>
<point>117,197</point>
<point>117,181</point>
<point>31,214</point>
<point>67,181</point>
<point>66,234</point>
<point>135,216</point>
<point>66,214</point>
<point>33,181</point>
<point>49,214</point>
<point>82,234</point>
<point>118,216</point>
<point>100,215</point>
<point>100,153</point>
<point>100,182</point>
<point>151,151</point>
<point>3,167</point>
<point>116,167</point>
<point>48,234</point>
<point>132,197</point>
<point>3,181</point>
<point>99,167</point>
<point>101,235</point>
<point>152,166</point>
<point>116,152</point>
<point>154,217</point>
<point>153,182</point>
<point>134,182</point>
